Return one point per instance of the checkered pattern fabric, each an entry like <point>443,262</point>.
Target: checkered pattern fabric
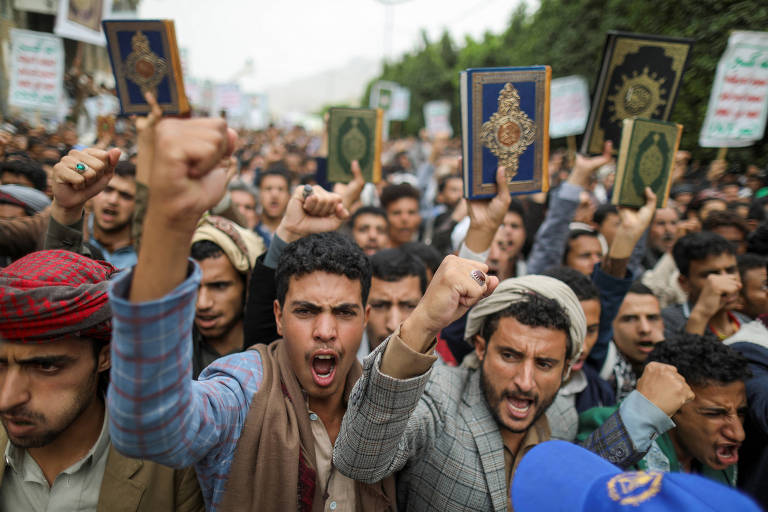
<point>156,410</point>
<point>47,295</point>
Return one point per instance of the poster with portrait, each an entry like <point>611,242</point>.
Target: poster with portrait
<point>81,20</point>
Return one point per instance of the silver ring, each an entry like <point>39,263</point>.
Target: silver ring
<point>80,167</point>
<point>478,276</point>
<point>307,191</point>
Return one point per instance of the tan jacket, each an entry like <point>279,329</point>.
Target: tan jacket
<point>132,485</point>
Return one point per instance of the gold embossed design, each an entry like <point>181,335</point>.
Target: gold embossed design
<point>639,95</point>
<point>353,143</point>
<point>509,131</point>
<point>635,487</point>
<point>143,66</point>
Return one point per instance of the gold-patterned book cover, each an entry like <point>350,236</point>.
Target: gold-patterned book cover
<point>505,122</point>
<point>640,77</point>
<point>646,159</point>
<point>145,57</point>
<point>354,134</point>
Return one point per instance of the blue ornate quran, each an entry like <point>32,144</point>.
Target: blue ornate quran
<point>505,121</point>
<point>145,57</point>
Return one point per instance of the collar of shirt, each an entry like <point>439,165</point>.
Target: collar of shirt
<point>24,466</point>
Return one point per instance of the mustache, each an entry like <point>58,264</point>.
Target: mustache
<point>20,413</point>
<point>521,395</point>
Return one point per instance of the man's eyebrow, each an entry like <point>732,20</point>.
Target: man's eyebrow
<point>306,305</point>
<point>52,359</point>
<point>346,306</point>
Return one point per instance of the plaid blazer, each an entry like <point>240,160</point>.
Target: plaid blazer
<point>437,431</point>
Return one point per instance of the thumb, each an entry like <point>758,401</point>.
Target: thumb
<point>501,181</point>
<point>113,155</point>
<point>231,141</point>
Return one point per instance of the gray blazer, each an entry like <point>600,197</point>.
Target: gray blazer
<point>435,429</point>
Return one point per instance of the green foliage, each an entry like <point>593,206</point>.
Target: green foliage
<point>569,36</point>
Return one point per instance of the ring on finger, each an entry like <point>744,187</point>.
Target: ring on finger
<point>80,167</point>
<point>478,276</point>
<point>307,191</point>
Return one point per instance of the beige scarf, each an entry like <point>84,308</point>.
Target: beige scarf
<point>274,465</point>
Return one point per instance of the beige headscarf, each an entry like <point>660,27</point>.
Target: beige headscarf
<point>516,289</point>
<point>241,246</point>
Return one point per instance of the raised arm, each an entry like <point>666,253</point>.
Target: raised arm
<point>390,418</point>
<point>551,237</point>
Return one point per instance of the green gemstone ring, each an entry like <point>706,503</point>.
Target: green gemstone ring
<point>81,167</point>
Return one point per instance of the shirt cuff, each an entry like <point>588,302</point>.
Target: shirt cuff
<point>466,253</point>
<point>569,191</point>
<point>276,247</point>
<point>643,420</point>
<point>402,362</point>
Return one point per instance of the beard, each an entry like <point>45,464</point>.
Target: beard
<point>495,398</point>
<point>50,430</point>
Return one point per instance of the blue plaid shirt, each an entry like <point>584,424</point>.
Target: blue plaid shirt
<point>156,410</point>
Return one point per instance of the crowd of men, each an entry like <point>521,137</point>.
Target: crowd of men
<point>194,319</point>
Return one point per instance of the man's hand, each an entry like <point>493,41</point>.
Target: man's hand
<point>485,216</point>
<point>145,136</point>
<point>718,291</point>
<point>189,171</point>
<point>632,226</point>
<point>584,167</point>
<point>452,291</point>
<point>317,212</point>
<point>664,387</point>
<point>72,189</point>
<point>350,192</point>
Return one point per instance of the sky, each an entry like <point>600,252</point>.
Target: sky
<point>290,39</point>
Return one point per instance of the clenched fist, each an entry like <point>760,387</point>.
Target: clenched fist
<point>664,387</point>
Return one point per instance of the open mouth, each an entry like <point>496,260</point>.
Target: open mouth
<point>206,322</point>
<point>727,454</point>
<point>519,407</point>
<point>645,346</point>
<point>323,369</point>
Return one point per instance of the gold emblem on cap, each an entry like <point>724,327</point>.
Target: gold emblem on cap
<point>509,131</point>
<point>143,66</point>
<point>635,487</point>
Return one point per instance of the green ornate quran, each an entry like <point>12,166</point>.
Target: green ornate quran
<point>354,134</point>
<point>646,159</point>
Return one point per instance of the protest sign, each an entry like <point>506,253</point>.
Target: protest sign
<point>392,98</point>
<point>437,118</point>
<point>569,106</point>
<point>81,20</point>
<point>738,103</point>
<point>37,70</point>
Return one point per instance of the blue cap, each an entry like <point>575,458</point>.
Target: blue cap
<point>560,476</point>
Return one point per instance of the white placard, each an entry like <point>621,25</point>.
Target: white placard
<point>569,106</point>
<point>41,6</point>
<point>437,118</point>
<point>738,104</point>
<point>393,99</point>
<point>81,20</point>
<point>227,97</point>
<point>37,70</point>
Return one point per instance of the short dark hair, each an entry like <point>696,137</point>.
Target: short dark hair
<point>573,235</point>
<point>698,247</point>
<point>638,288</point>
<point>323,252</point>
<point>443,181</point>
<point>757,241</point>
<point>701,360</point>
<point>29,169</point>
<point>725,218</point>
<point>534,311</point>
<point>275,172</point>
<point>204,249</point>
<point>516,206</point>
<point>581,285</point>
<point>392,193</point>
<point>125,169</point>
<point>367,210</point>
<point>750,261</point>
<point>396,264</point>
<point>757,209</point>
<point>429,256</point>
<point>602,212</point>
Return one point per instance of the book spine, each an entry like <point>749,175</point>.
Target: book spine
<point>465,135</point>
<point>545,126</point>
<point>377,145</point>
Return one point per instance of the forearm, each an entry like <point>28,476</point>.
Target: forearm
<point>382,428</point>
<point>551,237</point>
<point>697,323</point>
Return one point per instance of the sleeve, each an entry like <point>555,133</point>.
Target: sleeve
<point>612,292</point>
<point>139,212</point>
<point>156,410</point>
<point>22,235</point>
<point>551,237</point>
<point>388,422</point>
<point>623,435</point>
